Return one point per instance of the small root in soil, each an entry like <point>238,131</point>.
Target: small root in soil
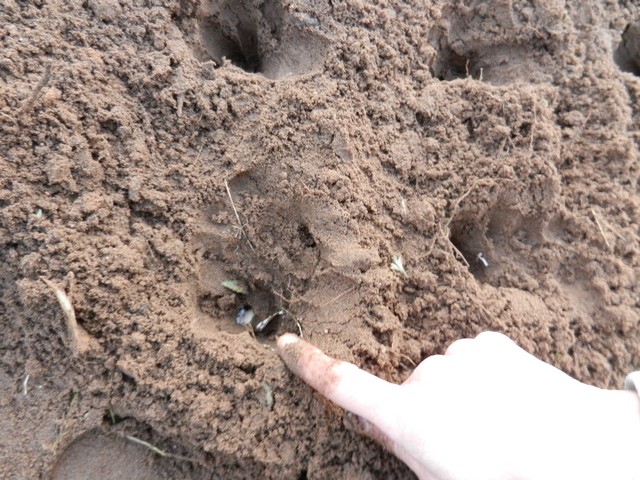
<point>80,339</point>
<point>156,450</point>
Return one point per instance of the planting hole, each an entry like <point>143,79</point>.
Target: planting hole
<point>627,55</point>
<point>261,39</point>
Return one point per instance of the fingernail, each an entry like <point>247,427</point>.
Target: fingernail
<point>287,339</point>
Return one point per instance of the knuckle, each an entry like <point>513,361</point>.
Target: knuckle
<point>492,337</point>
<point>429,366</point>
<point>459,346</point>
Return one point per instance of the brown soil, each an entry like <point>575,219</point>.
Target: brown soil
<point>349,132</point>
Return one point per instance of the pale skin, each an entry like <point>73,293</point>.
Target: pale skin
<point>486,409</point>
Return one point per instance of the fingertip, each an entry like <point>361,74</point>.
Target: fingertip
<point>287,345</point>
<point>341,382</point>
<point>496,341</point>
<point>287,340</point>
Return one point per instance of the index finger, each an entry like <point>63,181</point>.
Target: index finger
<point>341,382</point>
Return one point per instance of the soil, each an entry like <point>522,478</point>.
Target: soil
<point>152,149</point>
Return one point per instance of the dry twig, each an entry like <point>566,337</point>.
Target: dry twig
<point>28,103</point>
<point>25,389</point>
<point>446,231</point>
<point>595,217</point>
<point>240,226</point>
<point>533,128</point>
<point>156,450</point>
<point>456,250</point>
<point>407,358</point>
<point>456,205</point>
<point>296,321</point>
<point>349,291</point>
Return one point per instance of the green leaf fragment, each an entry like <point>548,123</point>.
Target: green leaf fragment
<point>236,286</point>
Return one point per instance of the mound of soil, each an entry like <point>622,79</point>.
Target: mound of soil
<point>153,149</point>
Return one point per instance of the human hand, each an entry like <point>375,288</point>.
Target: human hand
<point>485,410</point>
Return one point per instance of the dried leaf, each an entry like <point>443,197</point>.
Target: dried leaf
<point>397,265</point>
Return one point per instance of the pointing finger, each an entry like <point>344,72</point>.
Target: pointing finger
<point>376,402</point>
<point>341,382</point>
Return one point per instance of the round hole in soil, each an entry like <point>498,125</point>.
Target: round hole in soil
<point>627,55</point>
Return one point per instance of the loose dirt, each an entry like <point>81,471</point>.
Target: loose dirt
<point>493,145</point>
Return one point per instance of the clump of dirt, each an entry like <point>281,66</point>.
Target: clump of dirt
<point>492,145</point>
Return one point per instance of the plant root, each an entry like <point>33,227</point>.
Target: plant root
<point>81,342</point>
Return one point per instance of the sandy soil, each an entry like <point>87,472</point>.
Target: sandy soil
<point>348,132</point>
